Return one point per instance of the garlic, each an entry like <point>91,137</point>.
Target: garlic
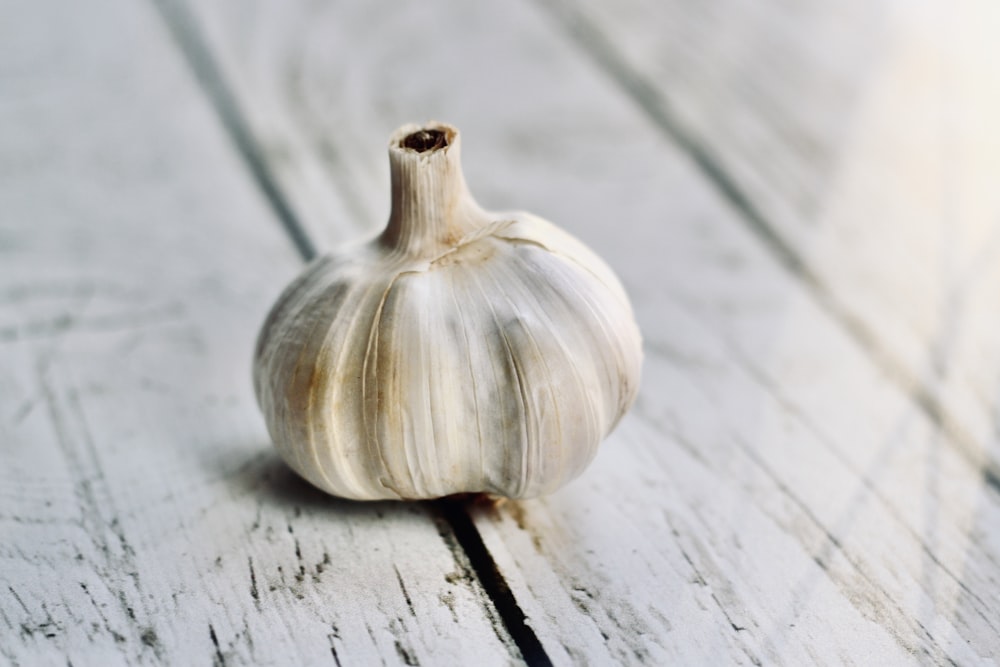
<point>459,351</point>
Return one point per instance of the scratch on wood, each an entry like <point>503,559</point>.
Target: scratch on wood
<point>333,637</point>
<point>151,640</point>
<point>322,565</point>
<point>371,635</point>
<point>406,595</point>
<point>406,655</point>
<point>18,598</point>
<point>301,574</point>
<point>22,412</point>
<point>117,636</point>
<point>219,659</point>
<point>253,582</point>
<point>256,520</point>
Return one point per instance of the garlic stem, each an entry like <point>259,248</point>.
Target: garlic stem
<point>432,209</point>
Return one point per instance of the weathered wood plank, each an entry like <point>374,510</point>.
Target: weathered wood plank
<point>143,516</point>
<point>862,135</point>
<point>774,498</point>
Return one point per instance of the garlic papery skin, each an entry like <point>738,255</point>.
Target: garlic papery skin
<point>460,351</point>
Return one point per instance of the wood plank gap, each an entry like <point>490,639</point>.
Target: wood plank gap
<point>589,38</point>
<point>456,515</point>
<point>192,44</point>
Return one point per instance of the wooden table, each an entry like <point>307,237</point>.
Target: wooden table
<point>802,199</point>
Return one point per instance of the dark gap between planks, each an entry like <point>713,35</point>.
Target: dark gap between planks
<point>454,512</point>
<point>192,44</point>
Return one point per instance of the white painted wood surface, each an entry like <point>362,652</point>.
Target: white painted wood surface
<point>144,518</point>
<point>774,498</point>
<point>864,134</point>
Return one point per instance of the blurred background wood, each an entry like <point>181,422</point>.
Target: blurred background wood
<point>798,197</point>
<point>860,137</point>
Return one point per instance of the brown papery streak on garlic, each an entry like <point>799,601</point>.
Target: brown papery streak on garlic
<point>460,351</point>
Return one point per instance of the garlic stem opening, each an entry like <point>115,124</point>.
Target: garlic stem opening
<point>431,206</point>
<point>425,140</point>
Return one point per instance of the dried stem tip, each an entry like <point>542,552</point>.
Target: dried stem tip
<point>431,207</point>
<point>425,140</point>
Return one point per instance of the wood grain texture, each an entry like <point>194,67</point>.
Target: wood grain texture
<point>862,137</point>
<point>143,516</point>
<point>774,498</point>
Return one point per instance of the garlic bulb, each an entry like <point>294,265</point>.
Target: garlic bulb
<point>459,351</point>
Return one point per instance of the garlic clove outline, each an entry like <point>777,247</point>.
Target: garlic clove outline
<point>460,351</point>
